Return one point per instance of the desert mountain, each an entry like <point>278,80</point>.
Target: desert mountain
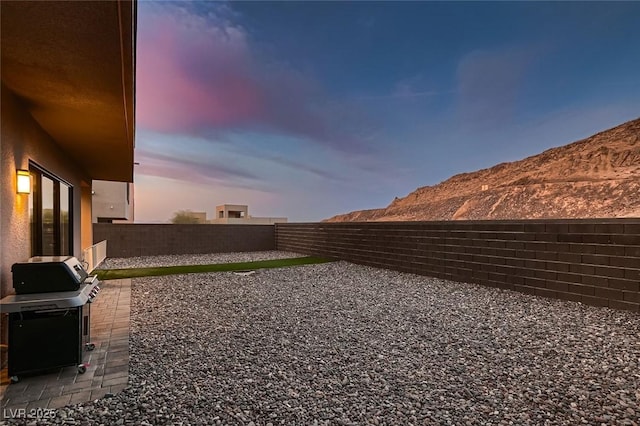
<point>595,177</point>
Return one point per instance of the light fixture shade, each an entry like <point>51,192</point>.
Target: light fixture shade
<point>23,182</point>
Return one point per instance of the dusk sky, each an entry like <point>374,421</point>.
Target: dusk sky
<point>311,109</point>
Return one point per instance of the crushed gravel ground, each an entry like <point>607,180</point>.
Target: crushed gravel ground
<point>193,259</point>
<point>343,344</point>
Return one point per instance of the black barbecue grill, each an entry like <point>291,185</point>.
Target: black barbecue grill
<point>49,316</point>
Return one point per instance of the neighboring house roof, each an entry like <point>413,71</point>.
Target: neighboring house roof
<point>73,64</point>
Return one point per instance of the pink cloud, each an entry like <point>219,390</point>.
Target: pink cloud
<point>198,73</point>
<point>186,170</point>
<point>192,75</point>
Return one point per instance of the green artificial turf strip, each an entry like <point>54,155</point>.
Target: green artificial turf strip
<point>114,274</point>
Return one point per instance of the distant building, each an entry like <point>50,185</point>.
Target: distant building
<point>238,214</point>
<point>112,202</point>
<point>232,211</point>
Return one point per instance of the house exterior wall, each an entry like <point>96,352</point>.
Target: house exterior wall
<point>67,107</point>
<point>85,215</point>
<point>131,215</point>
<point>112,200</point>
<point>24,140</point>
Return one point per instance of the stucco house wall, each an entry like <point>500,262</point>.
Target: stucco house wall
<point>112,200</point>
<point>68,108</point>
<point>23,140</point>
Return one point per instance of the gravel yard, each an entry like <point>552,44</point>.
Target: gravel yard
<point>193,259</point>
<point>339,343</point>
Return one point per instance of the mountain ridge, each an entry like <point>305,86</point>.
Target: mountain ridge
<point>598,176</point>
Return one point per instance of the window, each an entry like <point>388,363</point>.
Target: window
<point>50,214</point>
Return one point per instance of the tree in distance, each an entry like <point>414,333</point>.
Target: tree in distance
<point>184,217</point>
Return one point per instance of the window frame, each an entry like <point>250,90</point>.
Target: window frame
<point>36,220</point>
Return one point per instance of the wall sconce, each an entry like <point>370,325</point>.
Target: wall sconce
<point>23,182</point>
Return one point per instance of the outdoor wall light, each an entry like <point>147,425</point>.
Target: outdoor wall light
<point>23,182</point>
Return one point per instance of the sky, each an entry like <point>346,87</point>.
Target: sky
<point>311,109</point>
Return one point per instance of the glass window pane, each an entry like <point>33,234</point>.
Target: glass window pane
<point>65,229</point>
<point>51,216</point>
<point>48,222</point>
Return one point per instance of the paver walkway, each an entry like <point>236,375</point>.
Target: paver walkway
<point>108,370</point>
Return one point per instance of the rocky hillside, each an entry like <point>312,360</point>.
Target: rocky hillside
<point>595,177</point>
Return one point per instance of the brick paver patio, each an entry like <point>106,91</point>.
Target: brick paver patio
<point>108,370</point>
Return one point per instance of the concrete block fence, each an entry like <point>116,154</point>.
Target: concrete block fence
<point>596,262</point>
<point>128,240</point>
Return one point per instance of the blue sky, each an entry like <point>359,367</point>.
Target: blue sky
<point>311,109</point>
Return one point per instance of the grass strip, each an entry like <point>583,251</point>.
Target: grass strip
<point>114,274</point>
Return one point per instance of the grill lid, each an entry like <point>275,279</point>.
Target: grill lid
<point>44,274</point>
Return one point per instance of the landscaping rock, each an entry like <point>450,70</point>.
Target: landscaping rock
<point>339,343</point>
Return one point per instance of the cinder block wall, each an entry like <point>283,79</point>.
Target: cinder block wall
<point>127,240</point>
<point>596,262</point>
